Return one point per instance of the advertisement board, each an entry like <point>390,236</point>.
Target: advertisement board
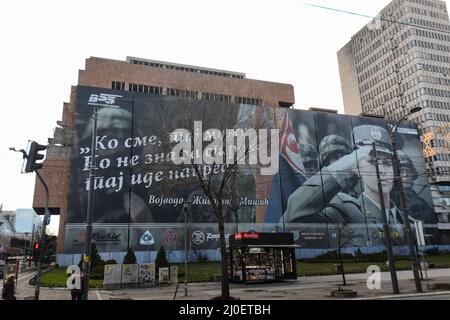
<point>324,180</point>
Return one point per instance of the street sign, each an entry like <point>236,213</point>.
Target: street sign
<point>49,216</point>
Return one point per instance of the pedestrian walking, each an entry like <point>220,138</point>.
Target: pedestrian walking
<point>8,289</point>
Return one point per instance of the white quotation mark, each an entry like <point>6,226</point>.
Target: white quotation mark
<point>73,282</point>
<point>84,150</point>
<point>374,277</point>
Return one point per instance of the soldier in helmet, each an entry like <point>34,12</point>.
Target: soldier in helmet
<point>332,148</point>
<point>306,203</point>
<point>309,158</point>
<point>416,206</point>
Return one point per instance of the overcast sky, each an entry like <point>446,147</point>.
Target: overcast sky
<point>44,44</point>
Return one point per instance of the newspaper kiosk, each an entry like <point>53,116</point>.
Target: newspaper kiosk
<point>261,257</point>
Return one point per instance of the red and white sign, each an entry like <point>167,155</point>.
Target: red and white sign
<point>246,235</point>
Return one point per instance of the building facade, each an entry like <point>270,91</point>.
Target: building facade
<point>399,61</point>
<point>143,76</point>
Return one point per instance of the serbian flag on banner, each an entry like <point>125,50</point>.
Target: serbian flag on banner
<point>291,173</point>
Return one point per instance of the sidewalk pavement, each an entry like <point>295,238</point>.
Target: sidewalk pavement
<point>304,288</point>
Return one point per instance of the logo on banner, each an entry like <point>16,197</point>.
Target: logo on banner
<point>198,237</point>
<point>170,237</point>
<point>108,237</point>
<point>376,133</point>
<point>103,100</point>
<point>146,239</point>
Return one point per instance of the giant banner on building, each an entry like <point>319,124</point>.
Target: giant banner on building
<point>324,185</point>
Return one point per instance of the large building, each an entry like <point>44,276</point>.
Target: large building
<point>399,61</point>
<point>155,78</point>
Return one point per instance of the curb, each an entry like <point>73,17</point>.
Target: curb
<point>439,293</point>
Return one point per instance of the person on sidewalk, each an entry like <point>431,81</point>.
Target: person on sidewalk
<point>8,289</point>
<point>77,293</point>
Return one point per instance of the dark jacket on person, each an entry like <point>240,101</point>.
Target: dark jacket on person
<point>8,292</point>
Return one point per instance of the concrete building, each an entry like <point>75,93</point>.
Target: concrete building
<point>399,61</point>
<point>152,77</point>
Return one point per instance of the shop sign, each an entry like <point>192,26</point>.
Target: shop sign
<point>246,235</point>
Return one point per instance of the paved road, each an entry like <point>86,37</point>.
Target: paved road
<point>427,297</point>
<point>312,288</point>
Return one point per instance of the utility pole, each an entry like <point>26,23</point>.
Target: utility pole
<point>406,223</point>
<point>387,231</point>
<point>33,166</point>
<point>42,241</point>
<point>185,249</point>
<point>90,211</point>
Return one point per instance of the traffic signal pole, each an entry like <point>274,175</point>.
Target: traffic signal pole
<point>42,241</point>
<point>33,166</point>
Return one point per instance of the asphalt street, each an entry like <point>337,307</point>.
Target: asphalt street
<point>304,288</point>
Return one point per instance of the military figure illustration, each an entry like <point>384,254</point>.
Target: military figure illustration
<point>324,197</point>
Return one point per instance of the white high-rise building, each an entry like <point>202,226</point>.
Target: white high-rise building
<point>399,61</point>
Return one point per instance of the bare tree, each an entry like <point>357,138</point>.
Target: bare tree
<point>219,183</point>
<point>344,238</point>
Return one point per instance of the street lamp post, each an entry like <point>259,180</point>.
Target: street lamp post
<point>90,210</point>
<point>407,225</point>
<point>185,207</point>
<point>387,232</point>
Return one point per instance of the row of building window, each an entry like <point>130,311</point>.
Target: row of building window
<point>386,42</point>
<point>431,56</point>
<point>371,44</point>
<point>439,143</point>
<point>441,201</point>
<point>430,3</point>
<point>144,88</point>
<point>216,97</point>
<point>434,68</point>
<point>437,187</point>
<point>443,171</point>
<point>435,92</point>
<point>428,45</point>
<point>381,88</point>
<point>381,63</point>
<point>117,85</point>
<point>245,100</point>
<point>436,104</point>
<point>377,84</point>
<point>428,24</point>
<point>427,13</point>
<point>431,35</point>
<point>403,99</point>
<point>187,69</point>
<point>182,93</point>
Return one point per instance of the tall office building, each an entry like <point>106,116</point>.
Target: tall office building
<point>146,77</point>
<point>399,61</point>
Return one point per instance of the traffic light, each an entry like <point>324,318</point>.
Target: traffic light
<point>33,156</point>
<point>35,251</point>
